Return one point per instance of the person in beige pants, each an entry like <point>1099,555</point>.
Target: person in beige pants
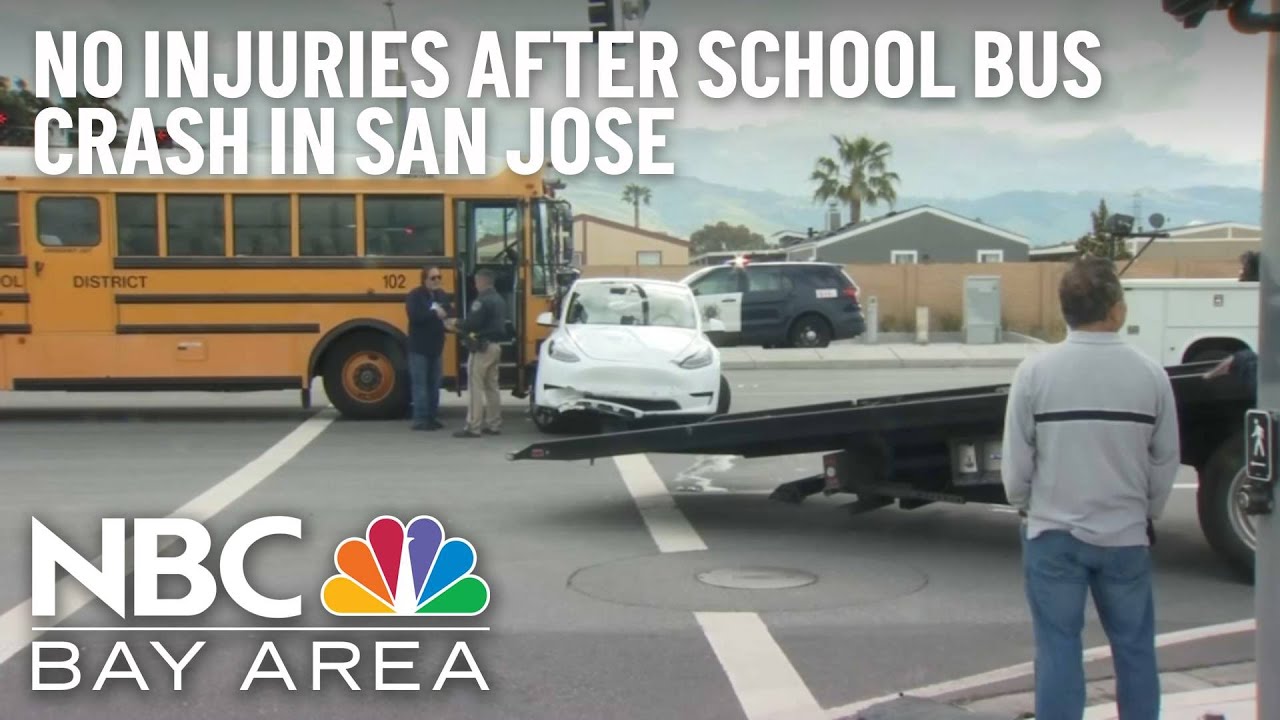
<point>484,409</point>
<point>483,329</point>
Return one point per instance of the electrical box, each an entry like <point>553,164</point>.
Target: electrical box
<point>983,319</point>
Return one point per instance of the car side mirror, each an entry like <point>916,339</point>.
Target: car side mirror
<point>546,319</point>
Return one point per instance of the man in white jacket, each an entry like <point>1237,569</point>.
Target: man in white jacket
<point>1091,450</point>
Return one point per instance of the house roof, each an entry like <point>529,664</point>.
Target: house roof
<point>1059,249</point>
<point>886,220</point>
<point>653,234</point>
<point>1222,225</point>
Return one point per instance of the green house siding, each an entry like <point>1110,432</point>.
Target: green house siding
<point>935,238</point>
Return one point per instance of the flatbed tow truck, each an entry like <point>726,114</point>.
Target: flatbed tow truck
<point>923,448</point>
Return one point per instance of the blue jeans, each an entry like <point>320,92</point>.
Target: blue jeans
<point>424,377</point>
<point>1061,571</point>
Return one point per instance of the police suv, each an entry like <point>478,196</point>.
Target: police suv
<point>779,304</point>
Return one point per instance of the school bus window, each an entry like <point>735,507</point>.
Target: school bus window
<point>196,224</point>
<point>9,224</point>
<point>327,224</point>
<point>404,225</point>
<point>68,222</point>
<point>261,224</point>
<point>136,229</point>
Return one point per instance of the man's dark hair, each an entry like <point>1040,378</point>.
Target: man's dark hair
<point>1249,266</point>
<point>485,273</point>
<point>1088,291</point>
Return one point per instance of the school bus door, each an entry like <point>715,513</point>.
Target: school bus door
<point>491,235</point>
<point>71,285</point>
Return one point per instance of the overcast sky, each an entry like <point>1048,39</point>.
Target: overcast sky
<point>1166,90</point>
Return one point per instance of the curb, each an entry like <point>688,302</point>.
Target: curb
<point>1100,688</point>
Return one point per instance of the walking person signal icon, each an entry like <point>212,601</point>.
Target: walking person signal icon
<point>1260,443</point>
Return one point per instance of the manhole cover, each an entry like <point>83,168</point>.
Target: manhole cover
<point>757,578</point>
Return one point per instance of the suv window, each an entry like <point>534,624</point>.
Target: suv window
<point>716,282</point>
<point>766,279</point>
<point>825,276</point>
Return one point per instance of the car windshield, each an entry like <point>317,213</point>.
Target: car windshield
<point>631,304</point>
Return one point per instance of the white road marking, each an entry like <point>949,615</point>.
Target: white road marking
<point>767,685</point>
<point>668,526</point>
<point>694,478</point>
<point>1014,672</point>
<point>16,632</point>
<point>764,680</point>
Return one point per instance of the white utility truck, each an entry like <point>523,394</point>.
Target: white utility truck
<point>1190,320</point>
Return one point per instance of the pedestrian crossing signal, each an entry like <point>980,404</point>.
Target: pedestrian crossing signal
<point>1260,445</point>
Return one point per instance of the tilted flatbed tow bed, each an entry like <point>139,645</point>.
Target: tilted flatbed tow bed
<point>942,446</point>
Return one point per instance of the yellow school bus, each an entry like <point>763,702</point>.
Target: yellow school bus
<point>261,283</point>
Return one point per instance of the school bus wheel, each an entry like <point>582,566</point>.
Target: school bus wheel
<point>365,376</point>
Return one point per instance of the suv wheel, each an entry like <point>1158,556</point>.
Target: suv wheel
<point>810,331</point>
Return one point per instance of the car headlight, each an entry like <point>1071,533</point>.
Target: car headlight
<point>698,359</point>
<point>561,353</point>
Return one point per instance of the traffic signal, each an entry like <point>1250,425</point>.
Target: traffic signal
<point>1191,12</point>
<point>604,15</point>
<point>609,15</point>
<point>163,139</point>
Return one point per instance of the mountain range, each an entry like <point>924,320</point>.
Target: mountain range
<point>682,204</point>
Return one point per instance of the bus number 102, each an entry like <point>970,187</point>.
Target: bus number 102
<point>395,282</point>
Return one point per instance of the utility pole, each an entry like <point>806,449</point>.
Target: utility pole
<point>1258,499</point>
<point>1267,559</point>
<point>402,104</point>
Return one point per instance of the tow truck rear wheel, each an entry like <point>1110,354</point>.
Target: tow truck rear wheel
<point>1230,532</point>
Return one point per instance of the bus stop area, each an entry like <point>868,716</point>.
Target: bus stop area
<point>637,586</point>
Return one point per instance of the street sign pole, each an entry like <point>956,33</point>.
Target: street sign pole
<point>1267,573</point>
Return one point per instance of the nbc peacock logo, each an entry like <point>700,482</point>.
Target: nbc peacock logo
<point>399,569</point>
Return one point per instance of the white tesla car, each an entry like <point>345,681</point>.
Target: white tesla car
<point>631,348</point>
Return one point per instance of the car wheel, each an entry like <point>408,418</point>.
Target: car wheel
<point>722,408</point>
<point>544,418</point>
<point>810,331</point>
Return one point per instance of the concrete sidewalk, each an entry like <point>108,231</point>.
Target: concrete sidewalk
<point>1228,690</point>
<point>1236,702</point>
<point>898,355</point>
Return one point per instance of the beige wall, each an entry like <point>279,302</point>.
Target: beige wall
<point>1029,291</point>
<point>608,245</point>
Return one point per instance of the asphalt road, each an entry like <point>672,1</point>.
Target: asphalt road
<point>603,602</point>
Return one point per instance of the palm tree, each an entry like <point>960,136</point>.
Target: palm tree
<point>634,195</point>
<point>857,175</point>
